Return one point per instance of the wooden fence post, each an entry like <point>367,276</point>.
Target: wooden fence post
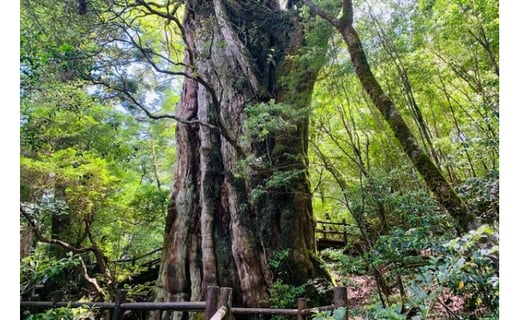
<point>302,305</point>
<point>120,297</point>
<point>340,299</point>
<point>345,233</point>
<point>211,302</point>
<point>225,300</point>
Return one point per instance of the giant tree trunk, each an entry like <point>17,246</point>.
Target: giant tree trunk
<point>216,232</point>
<point>434,179</point>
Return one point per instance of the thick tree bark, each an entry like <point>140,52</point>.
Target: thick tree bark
<point>216,233</point>
<point>424,165</point>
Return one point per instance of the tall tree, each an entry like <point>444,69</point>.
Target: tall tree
<point>241,190</point>
<point>239,193</point>
<point>433,177</point>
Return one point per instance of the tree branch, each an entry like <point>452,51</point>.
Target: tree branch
<point>190,71</point>
<point>91,280</point>
<point>152,115</point>
<point>325,15</point>
<point>432,175</point>
<point>220,125</point>
<point>100,258</point>
<point>348,14</point>
<point>40,237</point>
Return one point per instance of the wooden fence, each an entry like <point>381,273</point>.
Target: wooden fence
<point>334,234</point>
<point>216,307</point>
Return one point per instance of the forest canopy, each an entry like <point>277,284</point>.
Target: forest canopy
<point>169,146</point>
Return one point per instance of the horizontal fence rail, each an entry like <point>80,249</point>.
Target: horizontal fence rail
<point>334,234</point>
<point>216,307</point>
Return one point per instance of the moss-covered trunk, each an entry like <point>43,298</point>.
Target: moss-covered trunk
<point>422,162</point>
<point>217,231</point>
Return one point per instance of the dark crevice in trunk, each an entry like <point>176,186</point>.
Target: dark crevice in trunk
<point>218,231</point>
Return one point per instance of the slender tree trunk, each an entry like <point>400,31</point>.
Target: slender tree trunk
<point>424,131</point>
<point>424,165</point>
<point>154,164</point>
<point>217,233</point>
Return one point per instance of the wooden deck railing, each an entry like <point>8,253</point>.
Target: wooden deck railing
<point>334,234</point>
<point>216,307</point>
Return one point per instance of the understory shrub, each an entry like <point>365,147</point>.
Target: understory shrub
<point>465,267</point>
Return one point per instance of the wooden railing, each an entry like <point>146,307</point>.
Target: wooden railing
<point>216,307</point>
<point>334,234</point>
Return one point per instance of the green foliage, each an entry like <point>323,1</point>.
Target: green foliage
<point>283,295</point>
<point>84,161</point>
<point>473,259</point>
<point>403,208</point>
<point>430,50</point>
<point>56,43</point>
<point>336,314</point>
<point>51,314</point>
<point>466,266</point>
<point>267,118</point>
<point>279,263</point>
<point>39,269</point>
<point>271,128</point>
<point>91,175</point>
<point>394,312</point>
<point>342,264</point>
<point>402,247</point>
<point>139,292</point>
<point>482,195</point>
<point>62,313</point>
<point>149,202</point>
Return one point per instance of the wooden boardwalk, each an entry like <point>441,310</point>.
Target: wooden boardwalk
<point>328,235</point>
<point>333,234</point>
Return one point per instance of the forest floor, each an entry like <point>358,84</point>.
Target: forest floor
<point>362,292</point>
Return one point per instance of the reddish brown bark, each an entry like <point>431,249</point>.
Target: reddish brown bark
<point>216,233</point>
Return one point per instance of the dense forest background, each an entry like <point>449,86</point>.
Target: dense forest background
<point>97,152</point>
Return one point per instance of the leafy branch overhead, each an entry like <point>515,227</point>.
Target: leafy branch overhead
<point>422,162</point>
<point>280,148</point>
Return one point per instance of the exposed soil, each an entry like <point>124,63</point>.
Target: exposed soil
<point>362,291</point>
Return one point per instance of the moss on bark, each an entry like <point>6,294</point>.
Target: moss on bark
<point>222,236</point>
